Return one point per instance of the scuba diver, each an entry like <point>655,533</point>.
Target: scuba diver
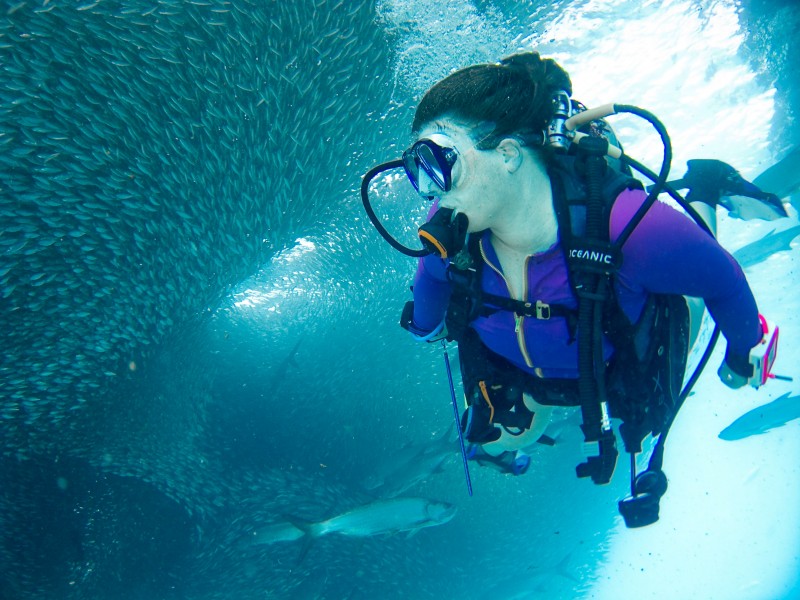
<point>562,280</point>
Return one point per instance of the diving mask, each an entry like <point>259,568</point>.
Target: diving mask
<point>434,160</point>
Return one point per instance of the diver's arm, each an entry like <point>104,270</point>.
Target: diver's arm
<point>669,253</point>
<point>431,295</point>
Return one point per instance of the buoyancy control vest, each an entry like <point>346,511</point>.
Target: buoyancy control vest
<point>640,384</point>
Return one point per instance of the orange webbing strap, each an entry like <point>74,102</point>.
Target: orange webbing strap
<point>482,385</point>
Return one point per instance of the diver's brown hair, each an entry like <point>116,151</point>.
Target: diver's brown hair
<point>514,96</point>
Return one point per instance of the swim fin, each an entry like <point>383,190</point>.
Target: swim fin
<point>717,183</point>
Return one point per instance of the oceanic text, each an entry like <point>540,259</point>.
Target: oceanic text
<point>592,255</point>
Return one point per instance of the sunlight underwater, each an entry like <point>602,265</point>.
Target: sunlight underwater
<point>200,326</point>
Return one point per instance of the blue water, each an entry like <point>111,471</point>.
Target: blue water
<point>212,373</point>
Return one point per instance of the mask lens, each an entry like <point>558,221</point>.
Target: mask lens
<point>411,166</point>
<point>434,160</point>
<point>430,162</point>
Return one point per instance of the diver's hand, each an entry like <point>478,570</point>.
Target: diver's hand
<point>735,370</point>
<point>738,370</point>
<point>730,377</point>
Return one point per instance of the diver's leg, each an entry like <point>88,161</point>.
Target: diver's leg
<point>717,183</point>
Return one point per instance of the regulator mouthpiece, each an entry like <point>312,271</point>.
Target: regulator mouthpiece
<point>445,234</point>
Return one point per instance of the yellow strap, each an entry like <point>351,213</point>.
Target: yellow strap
<point>482,385</point>
<point>435,242</point>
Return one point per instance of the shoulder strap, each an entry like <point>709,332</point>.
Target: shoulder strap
<point>592,261</point>
<point>584,251</point>
<point>466,301</point>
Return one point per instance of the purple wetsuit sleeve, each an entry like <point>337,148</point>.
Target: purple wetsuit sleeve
<point>668,253</point>
<point>431,293</point>
<point>431,289</point>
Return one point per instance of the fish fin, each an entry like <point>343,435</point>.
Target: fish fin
<point>562,568</point>
<point>782,178</point>
<point>293,352</point>
<point>794,200</point>
<point>440,467</point>
<point>247,541</point>
<point>452,434</point>
<point>306,527</point>
<point>792,233</point>
<point>412,532</point>
<point>308,541</point>
<point>546,440</point>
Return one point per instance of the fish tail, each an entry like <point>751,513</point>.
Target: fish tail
<point>312,530</point>
<point>562,568</point>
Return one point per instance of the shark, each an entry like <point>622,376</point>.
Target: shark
<point>783,178</point>
<point>380,517</point>
<point>412,465</point>
<point>761,249</point>
<point>762,419</point>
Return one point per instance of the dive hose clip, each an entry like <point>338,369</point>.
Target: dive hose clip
<point>641,508</point>
<point>601,454</point>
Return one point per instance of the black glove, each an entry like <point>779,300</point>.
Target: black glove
<point>407,318</point>
<point>407,323</point>
<point>735,370</point>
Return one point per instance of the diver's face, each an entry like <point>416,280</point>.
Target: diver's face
<point>474,173</point>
